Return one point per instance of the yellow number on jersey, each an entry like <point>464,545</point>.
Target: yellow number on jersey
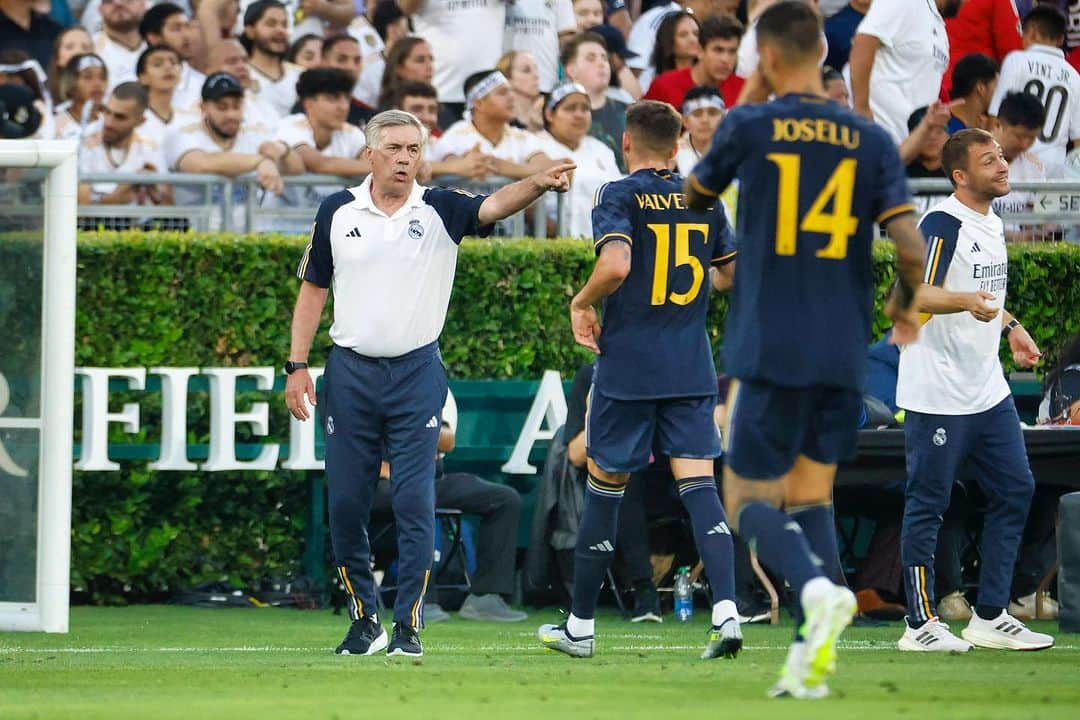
<point>660,293</point>
<point>839,225</point>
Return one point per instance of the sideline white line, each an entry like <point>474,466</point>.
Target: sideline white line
<point>855,646</point>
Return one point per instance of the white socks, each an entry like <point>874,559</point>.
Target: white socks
<point>578,627</point>
<point>724,610</point>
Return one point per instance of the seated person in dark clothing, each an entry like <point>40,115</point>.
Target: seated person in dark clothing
<point>922,148</point>
<point>499,508</point>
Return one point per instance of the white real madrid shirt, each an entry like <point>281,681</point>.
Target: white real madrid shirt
<point>94,157</point>
<point>908,67</point>
<point>1045,73</point>
<point>515,145</point>
<point>391,275</point>
<point>954,368</point>
<point>119,60</point>
<point>533,26</point>
<point>277,95</point>
<point>465,37</point>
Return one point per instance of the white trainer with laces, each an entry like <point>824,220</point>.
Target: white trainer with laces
<point>933,636</point>
<point>1004,633</point>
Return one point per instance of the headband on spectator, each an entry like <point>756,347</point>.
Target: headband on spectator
<point>564,91</point>
<point>23,66</point>
<point>706,101</point>
<point>85,62</point>
<point>484,88</point>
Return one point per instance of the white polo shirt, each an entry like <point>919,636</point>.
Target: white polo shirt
<point>1045,73</point>
<point>391,276</point>
<point>954,368</point>
<point>465,37</point>
<point>278,95</point>
<point>533,26</point>
<point>908,67</point>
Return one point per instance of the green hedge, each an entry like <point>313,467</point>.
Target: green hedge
<point>178,299</point>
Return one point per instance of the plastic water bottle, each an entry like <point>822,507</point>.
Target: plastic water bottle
<point>684,595</point>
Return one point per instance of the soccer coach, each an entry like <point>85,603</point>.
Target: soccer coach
<point>389,249</point>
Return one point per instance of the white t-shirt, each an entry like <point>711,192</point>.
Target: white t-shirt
<point>347,142</point>
<point>747,59</point>
<point>194,136</point>
<point>596,165</point>
<point>908,67</point>
<point>369,83</point>
<point>516,145</point>
<point>119,61</point>
<point>1025,167</point>
<point>465,37</point>
<point>1043,72</point>
<point>94,157</point>
<point>533,26</point>
<point>188,91</point>
<point>954,368</point>
<point>642,38</point>
<point>279,96</point>
<point>154,128</point>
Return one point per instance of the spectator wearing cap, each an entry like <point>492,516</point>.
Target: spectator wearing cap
<point>538,27</point>
<point>159,71</point>
<point>119,43</point>
<point>703,109</point>
<point>167,24</point>
<point>22,28</point>
<point>974,79</point>
<point>719,40</point>
<point>585,59</point>
<point>342,52</point>
<point>421,99</point>
<point>321,136</point>
<point>18,68</point>
<point>223,143</point>
<point>114,145</point>
<point>514,153</point>
<point>990,27</point>
<point>266,39</point>
<point>567,116</point>
<point>83,84</point>
<point>519,67</point>
<point>465,37</point>
<point>624,83</point>
<point>835,85</point>
<point>840,30</point>
<point>18,117</point>
<point>617,14</point>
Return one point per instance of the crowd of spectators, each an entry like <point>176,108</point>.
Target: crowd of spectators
<point>285,88</point>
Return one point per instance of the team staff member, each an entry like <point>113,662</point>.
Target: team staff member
<point>959,406</point>
<point>385,384</point>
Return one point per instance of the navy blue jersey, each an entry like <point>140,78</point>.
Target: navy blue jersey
<point>654,343</point>
<point>813,179</point>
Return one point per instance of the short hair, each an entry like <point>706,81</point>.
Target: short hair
<point>475,79</point>
<point>794,27</point>
<point>573,45</point>
<point>722,27</point>
<point>386,13</point>
<point>1047,20</point>
<point>319,81</point>
<point>415,88</point>
<point>916,117</point>
<point>257,9</point>
<point>655,125</point>
<point>1023,109</point>
<point>329,42</point>
<point>156,17</point>
<point>132,90</point>
<point>391,118</point>
<point>971,70</point>
<point>701,91</point>
<point>954,156</point>
<point>144,57</point>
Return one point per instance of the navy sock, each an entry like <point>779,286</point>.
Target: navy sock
<point>919,588</point>
<point>595,544</point>
<point>711,534</point>
<point>988,612</point>
<point>819,529</point>
<point>779,543</point>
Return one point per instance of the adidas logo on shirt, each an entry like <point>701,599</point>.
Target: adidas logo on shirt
<point>721,529</point>
<point>975,247</point>
<point>605,546</point>
<point>433,422</point>
<point>354,233</point>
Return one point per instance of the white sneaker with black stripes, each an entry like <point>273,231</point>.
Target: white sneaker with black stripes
<point>933,636</point>
<point>1004,633</point>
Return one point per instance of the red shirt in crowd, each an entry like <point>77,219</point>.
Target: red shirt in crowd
<point>990,27</point>
<point>671,87</point>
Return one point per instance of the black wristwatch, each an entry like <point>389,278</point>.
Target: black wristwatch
<point>291,367</point>
<point>1009,326</point>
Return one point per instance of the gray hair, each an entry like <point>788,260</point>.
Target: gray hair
<point>391,118</point>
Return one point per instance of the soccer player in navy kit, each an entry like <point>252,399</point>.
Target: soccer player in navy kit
<point>813,180</point>
<point>654,381</point>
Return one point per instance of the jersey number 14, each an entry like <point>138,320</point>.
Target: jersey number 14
<point>839,225</point>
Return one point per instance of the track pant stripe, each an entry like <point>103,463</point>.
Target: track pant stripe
<point>356,607</point>
<point>417,612</point>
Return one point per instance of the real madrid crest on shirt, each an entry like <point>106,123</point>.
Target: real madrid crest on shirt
<point>416,230</point>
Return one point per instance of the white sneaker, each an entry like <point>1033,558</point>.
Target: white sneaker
<point>1025,607</point>
<point>829,608</point>
<point>1004,633</point>
<point>933,636</point>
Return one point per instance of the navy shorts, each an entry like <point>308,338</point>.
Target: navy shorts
<point>769,426</point>
<point>620,434</point>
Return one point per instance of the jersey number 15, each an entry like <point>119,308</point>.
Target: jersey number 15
<point>662,232</point>
<point>839,225</point>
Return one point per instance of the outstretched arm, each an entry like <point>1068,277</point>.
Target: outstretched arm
<point>517,196</point>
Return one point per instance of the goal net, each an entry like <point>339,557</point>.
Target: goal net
<point>38,187</point>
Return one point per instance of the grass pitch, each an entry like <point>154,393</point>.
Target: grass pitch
<point>155,663</point>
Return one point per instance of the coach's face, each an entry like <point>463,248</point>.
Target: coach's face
<point>395,159</point>
<point>987,172</point>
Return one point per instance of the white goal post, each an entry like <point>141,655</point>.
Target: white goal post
<point>48,609</point>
